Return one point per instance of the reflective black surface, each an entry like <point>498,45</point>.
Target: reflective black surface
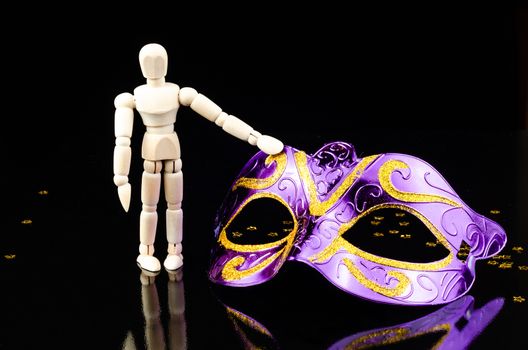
<point>70,280</point>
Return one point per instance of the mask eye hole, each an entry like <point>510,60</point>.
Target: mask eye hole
<point>261,221</point>
<point>397,235</point>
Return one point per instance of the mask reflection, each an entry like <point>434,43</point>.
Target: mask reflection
<point>454,326</point>
<point>154,333</point>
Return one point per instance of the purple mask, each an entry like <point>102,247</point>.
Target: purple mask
<point>322,197</point>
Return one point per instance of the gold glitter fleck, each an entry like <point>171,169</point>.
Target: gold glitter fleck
<point>257,184</point>
<point>492,262</point>
<point>518,249</point>
<point>464,249</point>
<point>462,254</point>
<point>399,215</point>
<point>251,228</point>
<point>236,234</point>
<point>506,265</point>
<point>501,257</point>
<point>43,192</point>
<point>273,234</point>
<point>375,223</point>
<point>287,222</point>
<point>379,218</point>
<point>9,256</point>
<point>394,232</point>
<point>523,267</point>
<point>405,236</point>
<point>403,223</point>
<point>378,234</point>
<point>403,281</point>
<point>494,211</point>
<point>384,177</point>
<point>286,229</point>
<point>26,222</point>
<point>430,244</point>
<point>518,299</point>
<point>317,207</point>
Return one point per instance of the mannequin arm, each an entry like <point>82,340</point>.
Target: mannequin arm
<point>124,120</point>
<point>230,124</point>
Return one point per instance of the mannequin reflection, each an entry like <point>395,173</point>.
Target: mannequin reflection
<point>454,326</point>
<point>154,335</point>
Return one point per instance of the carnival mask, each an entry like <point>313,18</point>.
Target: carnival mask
<point>317,200</point>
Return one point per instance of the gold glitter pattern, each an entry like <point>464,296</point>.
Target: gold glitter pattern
<point>341,244</point>
<point>249,322</point>
<point>384,177</point>
<point>230,271</point>
<point>394,335</point>
<point>257,184</point>
<point>386,336</point>
<point>317,207</point>
<point>403,281</point>
<point>26,222</point>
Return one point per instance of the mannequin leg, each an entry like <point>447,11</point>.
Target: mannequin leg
<point>150,191</point>
<point>173,184</point>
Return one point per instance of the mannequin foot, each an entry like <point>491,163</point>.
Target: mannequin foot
<point>148,263</point>
<point>173,262</point>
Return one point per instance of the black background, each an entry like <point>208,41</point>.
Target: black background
<point>444,83</point>
<point>283,70</point>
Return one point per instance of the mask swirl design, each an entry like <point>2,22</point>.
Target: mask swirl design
<point>322,196</point>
